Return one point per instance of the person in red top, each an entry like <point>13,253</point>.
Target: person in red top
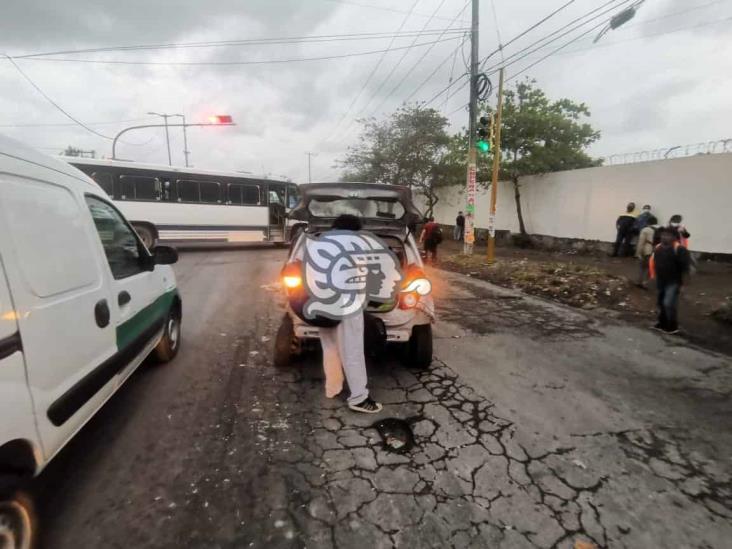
<point>431,237</point>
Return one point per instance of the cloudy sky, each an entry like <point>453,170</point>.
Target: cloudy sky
<point>663,79</point>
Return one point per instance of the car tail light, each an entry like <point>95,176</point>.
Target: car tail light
<point>416,284</point>
<point>292,275</point>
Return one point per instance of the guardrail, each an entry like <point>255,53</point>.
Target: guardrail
<point>678,151</point>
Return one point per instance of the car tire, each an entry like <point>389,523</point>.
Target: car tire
<point>147,235</point>
<point>167,347</point>
<point>17,518</point>
<point>286,344</point>
<point>419,348</point>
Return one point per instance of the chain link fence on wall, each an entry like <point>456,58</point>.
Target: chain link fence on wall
<point>678,151</point>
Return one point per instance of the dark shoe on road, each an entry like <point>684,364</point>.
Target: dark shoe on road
<point>367,406</point>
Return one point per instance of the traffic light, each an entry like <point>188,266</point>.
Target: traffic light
<point>220,119</point>
<point>483,143</point>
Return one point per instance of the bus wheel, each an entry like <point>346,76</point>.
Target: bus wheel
<point>17,520</point>
<point>147,235</point>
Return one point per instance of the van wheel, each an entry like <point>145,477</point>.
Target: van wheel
<point>147,235</point>
<point>17,520</point>
<point>419,348</point>
<point>168,346</point>
<point>287,346</point>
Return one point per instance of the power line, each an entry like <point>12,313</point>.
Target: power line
<point>247,42</point>
<point>230,63</point>
<point>382,8</point>
<point>66,124</point>
<point>391,72</point>
<point>451,55</point>
<point>371,74</point>
<point>517,56</point>
<point>452,72</point>
<point>416,64</point>
<point>52,102</point>
<point>447,89</point>
<point>532,27</point>
<point>498,30</point>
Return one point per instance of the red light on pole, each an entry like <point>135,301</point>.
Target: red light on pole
<point>221,119</point>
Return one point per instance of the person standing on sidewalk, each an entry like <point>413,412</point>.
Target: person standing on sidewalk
<point>669,265</point>
<point>343,350</point>
<point>624,227</point>
<point>431,237</point>
<point>644,250</point>
<point>459,226</point>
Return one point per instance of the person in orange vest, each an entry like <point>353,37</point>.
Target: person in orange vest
<point>669,265</point>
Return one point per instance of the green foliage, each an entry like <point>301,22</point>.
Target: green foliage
<point>411,147</point>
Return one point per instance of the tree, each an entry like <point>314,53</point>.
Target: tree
<point>410,148</point>
<point>539,136</point>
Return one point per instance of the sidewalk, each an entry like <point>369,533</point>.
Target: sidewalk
<point>599,281</point>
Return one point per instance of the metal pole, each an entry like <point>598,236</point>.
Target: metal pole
<point>186,152</point>
<point>469,236</point>
<point>491,257</point>
<point>310,155</point>
<point>167,138</point>
<point>116,137</point>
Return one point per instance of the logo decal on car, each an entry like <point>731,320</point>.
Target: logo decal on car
<point>344,270</point>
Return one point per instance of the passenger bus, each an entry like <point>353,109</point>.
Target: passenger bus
<point>191,206</point>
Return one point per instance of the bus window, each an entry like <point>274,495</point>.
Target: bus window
<point>277,196</point>
<point>188,191</point>
<point>293,196</point>
<point>210,192</point>
<point>105,181</point>
<point>247,195</point>
<point>134,187</point>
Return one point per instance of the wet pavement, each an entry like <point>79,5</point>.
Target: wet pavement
<point>537,426</point>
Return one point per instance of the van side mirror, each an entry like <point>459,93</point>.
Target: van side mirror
<point>164,255</point>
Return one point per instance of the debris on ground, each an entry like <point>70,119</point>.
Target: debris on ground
<point>577,285</point>
<point>724,312</point>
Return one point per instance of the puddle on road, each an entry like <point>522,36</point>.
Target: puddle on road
<point>396,434</point>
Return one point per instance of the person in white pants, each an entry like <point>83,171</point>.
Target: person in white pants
<point>343,349</point>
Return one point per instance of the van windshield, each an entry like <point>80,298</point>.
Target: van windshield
<point>368,208</point>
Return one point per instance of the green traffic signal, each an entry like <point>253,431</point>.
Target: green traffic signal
<point>483,146</point>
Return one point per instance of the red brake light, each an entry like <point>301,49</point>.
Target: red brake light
<point>292,275</point>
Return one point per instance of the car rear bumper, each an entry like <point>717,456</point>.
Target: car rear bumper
<point>398,324</point>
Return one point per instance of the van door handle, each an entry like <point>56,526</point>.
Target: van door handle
<point>101,313</point>
<point>123,298</point>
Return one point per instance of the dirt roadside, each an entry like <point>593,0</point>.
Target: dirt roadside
<point>599,281</point>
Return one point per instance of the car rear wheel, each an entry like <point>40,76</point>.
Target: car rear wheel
<point>419,348</point>
<point>287,346</point>
<point>17,520</point>
<point>168,346</point>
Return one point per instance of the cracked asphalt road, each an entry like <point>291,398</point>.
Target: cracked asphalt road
<point>536,426</point>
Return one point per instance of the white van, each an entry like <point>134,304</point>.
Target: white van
<point>82,303</point>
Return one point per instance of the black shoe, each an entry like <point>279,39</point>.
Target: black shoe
<point>366,406</point>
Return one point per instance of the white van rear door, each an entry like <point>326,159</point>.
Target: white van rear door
<point>16,406</point>
<point>61,297</point>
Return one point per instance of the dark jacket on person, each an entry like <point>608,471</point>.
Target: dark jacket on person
<point>641,221</point>
<point>671,263</point>
<point>625,222</point>
<point>460,221</point>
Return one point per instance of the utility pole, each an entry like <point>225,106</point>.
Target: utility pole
<point>469,237</point>
<point>491,257</point>
<point>167,135</point>
<point>310,155</point>
<point>186,152</point>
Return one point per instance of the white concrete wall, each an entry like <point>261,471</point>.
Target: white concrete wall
<point>585,203</point>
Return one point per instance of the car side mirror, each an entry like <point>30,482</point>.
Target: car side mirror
<point>164,255</point>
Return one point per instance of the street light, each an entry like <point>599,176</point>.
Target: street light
<point>619,19</point>
<point>222,120</point>
<point>167,135</point>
